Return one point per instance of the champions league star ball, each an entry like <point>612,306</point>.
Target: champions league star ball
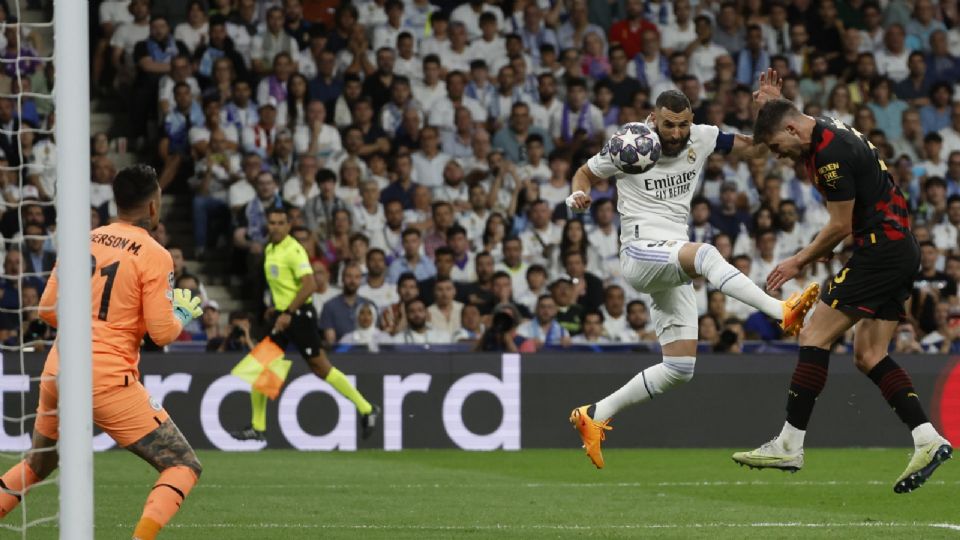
<point>634,148</point>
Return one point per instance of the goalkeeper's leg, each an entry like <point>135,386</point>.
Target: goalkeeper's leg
<point>39,463</point>
<point>168,451</point>
<point>42,459</point>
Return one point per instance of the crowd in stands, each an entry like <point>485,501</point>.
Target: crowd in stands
<point>424,150</point>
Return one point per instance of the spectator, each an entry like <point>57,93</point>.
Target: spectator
<point>339,315</point>
<point>536,287</point>
<point>614,314</point>
<point>260,137</point>
<point>325,291</point>
<point>153,57</point>
<point>443,112</point>
<point>266,45</point>
<point>207,54</point>
<point>915,89</point>
<point>214,174</point>
<point>579,119</point>
<point>181,70</point>
<point>295,24</point>
<point>374,139</point>
<point>366,332</point>
<point>442,219</point>
<point>195,30</point>
<point>593,333</point>
<point>638,324</point>
<point>298,189</point>
<point>892,59</point>
<point>417,330</point>
<point>38,260</point>
<point>471,325</point>
<point>544,329</point>
<point>175,144</point>
<point>951,133</point>
<point>250,235</point>
<point>240,111</point>
<point>887,109</point>
<point>282,158</point>
<point>942,61</point>
<point>906,340</point>
<point>454,190</point>
<point>412,261</point>
<point>292,110</point>
<point>211,332</point>
<point>131,30</point>
<point>429,161</point>
<point>407,64</point>
<point>588,288</point>
<point>512,138</point>
<point>542,236</point>
<point>445,313</point>
<point>930,287</point>
<point>628,32</point>
<point>514,265</point>
<point>377,289</point>
<point>464,261</point>
<point>569,312</point>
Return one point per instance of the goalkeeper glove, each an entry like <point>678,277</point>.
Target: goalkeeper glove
<point>186,307</point>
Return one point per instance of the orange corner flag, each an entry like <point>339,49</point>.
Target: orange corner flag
<point>264,368</point>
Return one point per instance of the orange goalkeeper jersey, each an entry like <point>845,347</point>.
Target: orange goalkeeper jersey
<point>131,293</point>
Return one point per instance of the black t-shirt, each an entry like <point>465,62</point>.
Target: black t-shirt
<point>845,166</point>
<point>141,49</point>
<point>926,311</point>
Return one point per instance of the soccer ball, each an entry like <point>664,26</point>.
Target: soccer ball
<point>634,148</point>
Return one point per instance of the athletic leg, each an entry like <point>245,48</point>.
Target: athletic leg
<point>809,377</point>
<point>698,259</point>
<point>167,450</point>
<point>41,460</point>
<point>870,355</point>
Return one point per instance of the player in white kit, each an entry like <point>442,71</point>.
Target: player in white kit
<point>656,257</point>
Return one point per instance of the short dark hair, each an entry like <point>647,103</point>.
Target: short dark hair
<point>455,230</point>
<point>276,210</point>
<point>928,243</point>
<point>134,185</point>
<point>501,274</point>
<point>442,250</point>
<point>593,312</point>
<point>770,118</point>
<point>407,276</point>
<point>673,100</point>
<point>411,231</point>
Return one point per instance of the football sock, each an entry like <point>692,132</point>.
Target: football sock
<point>809,378</point>
<point>924,434</point>
<point>655,380</point>
<point>897,389</point>
<point>18,479</point>
<point>731,282</point>
<point>339,381</point>
<point>791,438</point>
<point>258,404</point>
<point>165,499</point>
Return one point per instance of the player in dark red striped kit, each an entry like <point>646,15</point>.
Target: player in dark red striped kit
<point>868,292</point>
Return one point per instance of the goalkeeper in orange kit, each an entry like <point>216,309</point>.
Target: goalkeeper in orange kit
<point>131,293</point>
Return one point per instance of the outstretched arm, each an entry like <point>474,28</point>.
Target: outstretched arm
<point>836,229</point>
<point>583,180</point>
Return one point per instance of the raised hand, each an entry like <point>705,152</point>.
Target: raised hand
<point>770,85</point>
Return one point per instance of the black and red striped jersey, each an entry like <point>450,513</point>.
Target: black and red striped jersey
<point>845,166</point>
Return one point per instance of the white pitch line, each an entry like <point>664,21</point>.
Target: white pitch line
<point>557,527</point>
<point>537,485</point>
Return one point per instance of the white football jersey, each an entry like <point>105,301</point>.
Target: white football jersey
<point>655,205</point>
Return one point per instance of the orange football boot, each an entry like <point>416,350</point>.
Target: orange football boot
<point>591,433</point>
<point>796,307</point>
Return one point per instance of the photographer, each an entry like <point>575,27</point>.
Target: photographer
<point>239,337</point>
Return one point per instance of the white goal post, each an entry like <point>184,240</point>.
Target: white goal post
<point>72,99</point>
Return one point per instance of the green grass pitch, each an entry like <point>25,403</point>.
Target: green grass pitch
<point>287,495</point>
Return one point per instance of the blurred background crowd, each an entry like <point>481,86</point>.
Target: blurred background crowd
<point>425,149</point>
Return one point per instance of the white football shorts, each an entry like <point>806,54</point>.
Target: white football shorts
<point>653,267</point>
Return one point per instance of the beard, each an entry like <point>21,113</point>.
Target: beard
<point>673,148</point>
